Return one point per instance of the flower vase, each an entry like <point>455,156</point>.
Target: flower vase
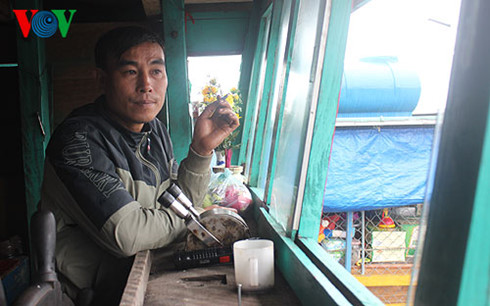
<point>228,154</point>
<point>220,158</point>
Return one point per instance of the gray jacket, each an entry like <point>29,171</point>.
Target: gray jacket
<point>103,184</point>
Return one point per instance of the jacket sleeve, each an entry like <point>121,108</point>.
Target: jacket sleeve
<point>193,178</point>
<point>84,184</point>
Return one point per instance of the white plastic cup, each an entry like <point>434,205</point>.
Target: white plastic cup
<point>254,264</point>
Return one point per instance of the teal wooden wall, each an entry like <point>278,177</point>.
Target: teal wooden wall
<point>207,33</point>
<point>217,33</point>
<point>177,104</point>
<point>35,108</point>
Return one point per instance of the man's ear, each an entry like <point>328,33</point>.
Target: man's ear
<point>101,77</point>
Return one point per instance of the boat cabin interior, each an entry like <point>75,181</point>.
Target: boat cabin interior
<point>290,79</point>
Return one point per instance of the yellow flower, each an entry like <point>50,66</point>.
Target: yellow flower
<point>208,99</point>
<point>230,100</point>
<point>214,89</point>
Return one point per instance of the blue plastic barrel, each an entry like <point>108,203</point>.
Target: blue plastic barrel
<point>378,86</point>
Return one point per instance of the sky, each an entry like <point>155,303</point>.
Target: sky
<point>226,70</point>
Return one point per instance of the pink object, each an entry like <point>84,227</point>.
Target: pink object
<point>228,154</point>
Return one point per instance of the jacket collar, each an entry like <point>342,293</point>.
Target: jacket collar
<point>133,138</point>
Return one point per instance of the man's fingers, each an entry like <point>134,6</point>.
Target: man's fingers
<point>228,116</point>
<point>220,103</point>
<point>210,109</point>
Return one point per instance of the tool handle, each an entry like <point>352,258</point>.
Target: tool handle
<point>168,201</point>
<point>43,233</point>
<point>175,191</point>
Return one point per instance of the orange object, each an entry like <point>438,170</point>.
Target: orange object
<point>386,220</point>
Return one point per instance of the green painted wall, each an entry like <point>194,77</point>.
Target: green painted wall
<point>179,121</point>
<point>224,33</point>
<point>217,33</point>
<point>34,107</point>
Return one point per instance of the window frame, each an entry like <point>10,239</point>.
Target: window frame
<point>456,278</point>
<point>299,252</point>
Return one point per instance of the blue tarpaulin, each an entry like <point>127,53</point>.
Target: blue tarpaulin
<point>377,167</point>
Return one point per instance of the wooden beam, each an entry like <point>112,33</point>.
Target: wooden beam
<point>34,108</point>
<point>180,128</point>
<point>134,292</point>
<point>152,7</point>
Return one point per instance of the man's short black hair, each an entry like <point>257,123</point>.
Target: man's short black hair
<point>114,43</point>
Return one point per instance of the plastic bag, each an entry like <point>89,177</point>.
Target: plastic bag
<point>227,190</point>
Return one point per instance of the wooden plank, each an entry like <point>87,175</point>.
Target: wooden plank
<point>457,226</point>
<point>213,285</point>
<point>178,89</point>
<point>134,292</point>
<point>325,119</point>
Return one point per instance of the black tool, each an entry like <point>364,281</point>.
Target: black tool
<point>202,258</point>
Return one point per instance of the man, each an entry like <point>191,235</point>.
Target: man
<point>109,162</point>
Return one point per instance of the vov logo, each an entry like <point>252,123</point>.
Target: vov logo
<point>44,23</point>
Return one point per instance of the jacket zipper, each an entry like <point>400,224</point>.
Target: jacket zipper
<point>146,162</point>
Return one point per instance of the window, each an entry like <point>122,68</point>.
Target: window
<point>391,92</point>
<point>292,184</point>
<point>292,78</point>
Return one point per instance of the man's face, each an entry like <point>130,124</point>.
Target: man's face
<point>135,85</point>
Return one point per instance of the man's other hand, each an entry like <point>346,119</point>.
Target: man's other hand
<point>215,123</point>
